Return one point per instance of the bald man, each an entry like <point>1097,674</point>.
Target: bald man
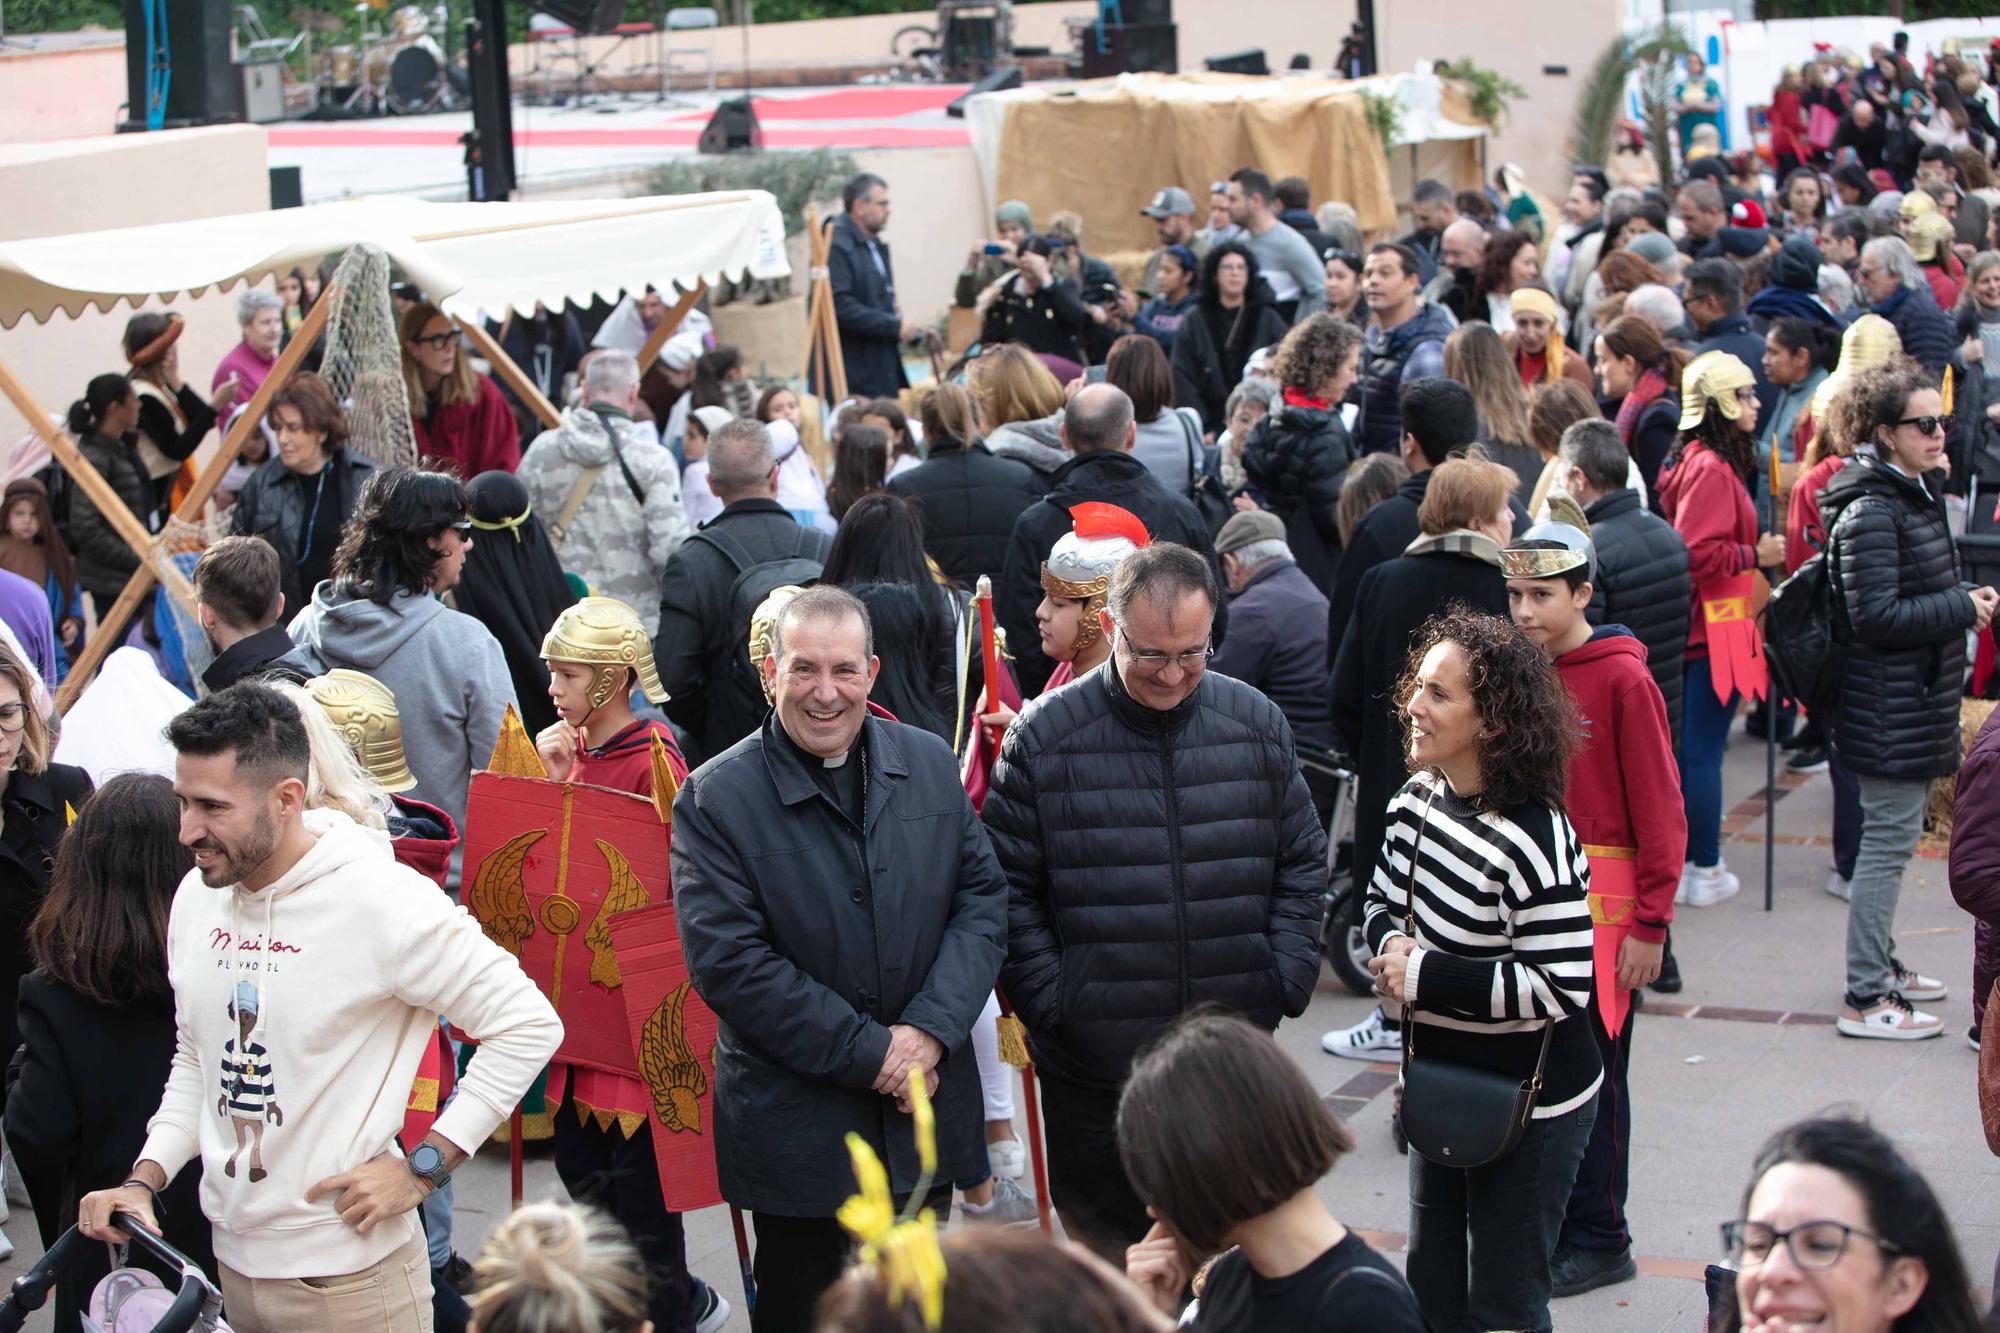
<point>1462,249</point>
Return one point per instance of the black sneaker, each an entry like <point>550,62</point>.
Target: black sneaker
<point>1574,1271</point>
<point>1669,980</point>
<point>1972,1036</point>
<point>457,1273</point>
<point>1807,759</point>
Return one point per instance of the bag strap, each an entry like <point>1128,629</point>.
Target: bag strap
<point>572,502</point>
<point>1197,467</point>
<point>732,550</point>
<point>1328,1311</point>
<point>618,455</point>
<point>1410,908</point>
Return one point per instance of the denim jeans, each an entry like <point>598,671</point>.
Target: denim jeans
<point>1704,736</point>
<point>1892,815</point>
<point>1481,1240</point>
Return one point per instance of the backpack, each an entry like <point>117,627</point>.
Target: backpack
<point>755,579</point>
<point>1800,642</point>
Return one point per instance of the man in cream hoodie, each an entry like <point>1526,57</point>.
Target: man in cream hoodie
<point>308,971</point>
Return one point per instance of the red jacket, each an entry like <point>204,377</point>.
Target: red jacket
<point>1788,125</point>
<point>1974,867</point>
<point>479,436</point>
<point>1624,786</point>
<point>1805,531</point>
<point>1705,501</point>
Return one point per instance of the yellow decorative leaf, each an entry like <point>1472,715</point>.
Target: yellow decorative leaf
<point>514,752</point>
<point>498,899</point>
<point>626,894</point>
<point>667,1063</point>
<point>664,786</point>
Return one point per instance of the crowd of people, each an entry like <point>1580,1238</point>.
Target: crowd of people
<point>1487,512</point>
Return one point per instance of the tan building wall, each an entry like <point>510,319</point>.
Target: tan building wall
<point>121,181</point>
<point>61,94</point>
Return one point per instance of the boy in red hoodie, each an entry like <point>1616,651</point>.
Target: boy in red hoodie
<point>1625,802</point>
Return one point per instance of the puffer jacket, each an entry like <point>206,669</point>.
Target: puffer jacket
<point>276,503</point>
<point>1925,330</point>
<point>1903,619</point>
<point>615,544</point>
<point>1385,364</point>
<point>1642,584</point>
<point>970,500</point>
<point>103,560</point>
<point>1295,459</point>
<point>1155,861</point>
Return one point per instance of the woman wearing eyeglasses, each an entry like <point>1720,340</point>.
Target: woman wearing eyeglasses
<point>1839,1231</point>
<point>458,414</point>
<point>1903,614</point>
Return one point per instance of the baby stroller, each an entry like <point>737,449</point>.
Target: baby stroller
<point>126,1293</point>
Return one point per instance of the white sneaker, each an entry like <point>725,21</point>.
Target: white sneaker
<point>1007,1158</point>
<point>1687,873</point>
<point>1888,1018</point>
<point>1839,885</point>
<point>16,1192</point>
<point>6,1247</point>
<point>1917,986</point>
<point>712,1316</point>
<point>1370,1039</point>
<point>1709,885</point>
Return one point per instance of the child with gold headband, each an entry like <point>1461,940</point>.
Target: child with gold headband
<point>1625,802</point>
<point>597,651</point>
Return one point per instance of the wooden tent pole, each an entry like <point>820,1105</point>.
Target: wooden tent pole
<point>669,324</point>
<point>517,379</point>
<point>111,622</point>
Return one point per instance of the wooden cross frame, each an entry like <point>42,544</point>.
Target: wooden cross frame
<point>822,328</point>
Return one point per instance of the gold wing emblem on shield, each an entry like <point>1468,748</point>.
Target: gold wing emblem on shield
<point>498,899</point>
<point>667,1063</point>
<point>626,894</point>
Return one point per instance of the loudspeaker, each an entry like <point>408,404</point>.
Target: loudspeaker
<point>733,128</point>
<point>1239,62</point>
<point>1130,48</point>
<point>286,189</point>
<point>999,81</point>
<point>1146,11</point>
<point>203,87</point>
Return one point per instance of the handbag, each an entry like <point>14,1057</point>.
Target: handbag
<point>1456,1115</point>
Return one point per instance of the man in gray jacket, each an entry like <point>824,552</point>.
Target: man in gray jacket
<point>611,501</point>
<point>406,541</point>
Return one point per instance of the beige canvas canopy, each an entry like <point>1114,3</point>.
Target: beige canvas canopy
<point>472,259</point>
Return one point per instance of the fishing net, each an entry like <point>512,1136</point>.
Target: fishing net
<point>363,364</point>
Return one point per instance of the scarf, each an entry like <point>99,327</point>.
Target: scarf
<point>1650,386</point>
<point>1459,541</point>
<point>1300,398</point>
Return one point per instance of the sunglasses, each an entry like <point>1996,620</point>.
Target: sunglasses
<point>1926,425</point>
<point>1347,257</point>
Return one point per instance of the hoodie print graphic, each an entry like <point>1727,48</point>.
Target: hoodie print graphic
<point>249,1098</point>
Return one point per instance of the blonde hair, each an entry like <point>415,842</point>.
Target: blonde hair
<point>335,779</point>
<point>1009,383</point>
<point>35,742</point>
<point>1462,492</point>
<point>460,386</point>
<point>558,1268</point>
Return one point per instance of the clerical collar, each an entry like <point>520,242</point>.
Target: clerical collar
<point>838,761</point>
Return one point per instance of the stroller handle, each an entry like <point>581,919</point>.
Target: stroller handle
<point>31,1290</point>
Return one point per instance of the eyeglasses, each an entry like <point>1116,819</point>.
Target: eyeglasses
<point>1925,425</point>
<point>1813,1245</point>
<point>13,717</point>
<point>1152,659</point>
<point>437,342</point>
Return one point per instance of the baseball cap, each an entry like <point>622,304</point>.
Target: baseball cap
<point>1173,201</point>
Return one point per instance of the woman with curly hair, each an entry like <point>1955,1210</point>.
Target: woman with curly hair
<point>1479,917</point>
<point>1513,259</point>
<point>1704,492</point>
<point>1296,456</point>
<point>1233,317</point>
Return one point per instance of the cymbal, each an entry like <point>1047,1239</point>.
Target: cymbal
<point>316,20</point>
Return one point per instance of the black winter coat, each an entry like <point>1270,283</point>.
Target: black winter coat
<point>31,826</point>
<point>696,638</point>
<point>1155,861</point>
<point>970,501</point>
<point>1653,438</point>
<point>1277,644</point>
<point>1295,458</point>
<point>80,1091</point>
<point>103,559</point>
<point>1642,584</point>
<point>1895,575</point>
<point>1393,601</point>
<point>864,304</point>
<point>1107,476</point>
<point>1050,320</point>
<point>1201,373</point>
<point>809,937</point>
<point>1926,331</point>
<point>275,505</point>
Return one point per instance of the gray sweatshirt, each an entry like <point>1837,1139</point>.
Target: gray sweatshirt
<point>446,670</point>
<point>1290,266</point>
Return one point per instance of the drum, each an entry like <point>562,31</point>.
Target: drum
<point>416,78</point>
<point>345,64</point>
<point>409,23</point>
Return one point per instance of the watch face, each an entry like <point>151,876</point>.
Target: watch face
<point>426,1159</point>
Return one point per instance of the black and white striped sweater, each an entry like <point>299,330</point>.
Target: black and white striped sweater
<point>1503,936</point>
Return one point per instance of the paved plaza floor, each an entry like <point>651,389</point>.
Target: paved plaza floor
<point>1746,1048</point>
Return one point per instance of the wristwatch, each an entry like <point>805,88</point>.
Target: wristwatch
<point>427,1162</point>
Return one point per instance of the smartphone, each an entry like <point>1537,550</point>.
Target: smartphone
<point>994,248</point>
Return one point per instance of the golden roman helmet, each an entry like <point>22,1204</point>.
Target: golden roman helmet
<point>763,624</point>
<point>606,635</point>
<point>1079,565</point>
<point>1713,377</point>
<point>363,711</point>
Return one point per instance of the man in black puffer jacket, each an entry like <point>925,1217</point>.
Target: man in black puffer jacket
<point>1901,614</point>
<point>1097,427</point>
<point>1161,852</point>
<point>970,498</point>
<point>1642,563</point>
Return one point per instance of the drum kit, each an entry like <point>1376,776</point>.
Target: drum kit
<point>401,69</point>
